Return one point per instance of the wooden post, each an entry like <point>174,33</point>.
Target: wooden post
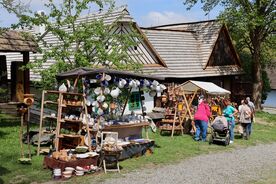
<point>86,121</point>
<point>21,135</point>
<point>143,112</point>
<point>129,92</point>
<point>174,118</point>
<point>28,132</point>
<point>60,99</point>
<point>40,122</point>
<point>26,59</point>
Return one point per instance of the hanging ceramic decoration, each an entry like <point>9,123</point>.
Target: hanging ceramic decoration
<point>105,105</point>
<point>153,87</point>
<point>141,82</point>
<point>100,98</point>
<point>104,83</point>
<point>137,83</point>
<point>106,91</point>
<point>122,83</point>
<point>100,112</point>
<point>132,84</point>
<point>155,83</point>
<point>115,92</point>
<point>99,76</point>
<point>95,104</point>
<point>163,87</point>
<point>62,88</point>
<point>92,81</point>
<point>107,77</point>
<point>112,106</point>
<point>97,90</point>
<point>158,94</point>
<point>158,89</point>
<point>146,83</point>
<point>89,100</point>
<point>152,93</point>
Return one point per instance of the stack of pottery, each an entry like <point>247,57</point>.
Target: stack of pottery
<point>57,173</point>
<point>67,173</point>
<point>79,171</point>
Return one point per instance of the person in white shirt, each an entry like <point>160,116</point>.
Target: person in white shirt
<point>245,118</point>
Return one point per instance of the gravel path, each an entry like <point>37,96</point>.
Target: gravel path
<point>237,166</point>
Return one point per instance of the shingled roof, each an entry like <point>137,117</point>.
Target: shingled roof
<point>14,41</point>
<point>186,49</point>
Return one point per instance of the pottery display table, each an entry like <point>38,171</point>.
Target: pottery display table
<point>128,129</point>
<point>136,149</point>
<point>52,163</point>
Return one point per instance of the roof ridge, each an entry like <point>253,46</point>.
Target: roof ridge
<point>173,30</point>
<point>184,23</point>
<point>104,12</point>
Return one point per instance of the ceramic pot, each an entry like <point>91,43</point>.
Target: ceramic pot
<point>105,105</point>
<point>106,91</point>
<point>62,88</point>
<point>152,93</point>
<point>95,104</point>
<point>97,90</point>
<point>155,83</point>
<point>101,98</point>
<point>107,77</point>
<point>164,98</point>
<point>146,83</point>
<point>112,106</point>
<point>115,92</point>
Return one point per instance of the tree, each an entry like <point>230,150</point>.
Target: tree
<point>251,24</point>
<point>14,6</point>
<point>81,44</point>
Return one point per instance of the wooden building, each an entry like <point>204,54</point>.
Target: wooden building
<point>178,52</point>
<point>198,51</point>
<point>21,44</point>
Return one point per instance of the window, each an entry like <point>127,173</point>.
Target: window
<point>134,101</point>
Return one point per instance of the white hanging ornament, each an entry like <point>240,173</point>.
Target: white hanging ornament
<point>62,88</point>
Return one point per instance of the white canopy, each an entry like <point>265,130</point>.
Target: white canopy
<point>208,87</point>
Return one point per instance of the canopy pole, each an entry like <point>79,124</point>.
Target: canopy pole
<point>129,92</point>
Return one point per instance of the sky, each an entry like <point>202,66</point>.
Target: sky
<point>145,12</point>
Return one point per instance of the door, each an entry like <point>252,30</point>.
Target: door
<point>17,82</point>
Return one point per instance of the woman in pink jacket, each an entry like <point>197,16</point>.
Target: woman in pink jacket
<point>201,118</point>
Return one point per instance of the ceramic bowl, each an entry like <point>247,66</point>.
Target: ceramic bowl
<point>67,173</point>
<point>67,176</point>
<point>79,169</point>
<point>69,169</point>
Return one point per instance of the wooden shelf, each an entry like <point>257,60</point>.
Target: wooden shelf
<point>71,121</point>
<point>64,93</point>
<point>70,105</point>
<point>50,102</point>
<point>49,116</point>
<point>126,125</point>
<point>169,121</point>
<point>69,135</point>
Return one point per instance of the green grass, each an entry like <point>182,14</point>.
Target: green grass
<point>169,150</point>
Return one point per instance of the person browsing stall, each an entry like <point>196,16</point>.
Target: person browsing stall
<point>201,118</point>
<point>245,118</point>
<point>252,107</point>
<point>229,112</point>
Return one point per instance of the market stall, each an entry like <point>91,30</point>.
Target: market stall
<point>92,101</point>
<point>181,98</point>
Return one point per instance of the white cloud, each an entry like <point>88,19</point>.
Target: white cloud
<point>167,17</point>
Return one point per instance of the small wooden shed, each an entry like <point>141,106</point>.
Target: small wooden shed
<point>15,42</point>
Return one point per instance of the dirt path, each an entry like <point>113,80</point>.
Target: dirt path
<point>238,166</point>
